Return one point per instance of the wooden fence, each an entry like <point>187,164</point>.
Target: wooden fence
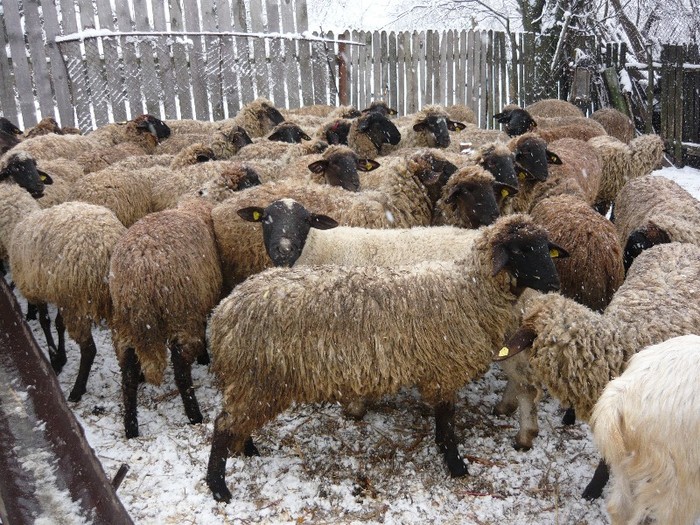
<point>82,62</point>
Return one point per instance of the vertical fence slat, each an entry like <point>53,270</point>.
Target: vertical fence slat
<point>276,55</point>
<point>131,65</point>
<point>37,49</point>
<point>319,72</point>
<point>7,89</point>
<point>400,101</point>
<point>291,64</point>
<point>20,63</point>
<point>307,88</point>
<point>393,64</point>
<point>384,60</point>
<point>422,73</point>
<point>213,73</point>
<point>448,75</point>
<point>227,61</point>
<point>461,74</point>
<point>165,69</point>
<point>115,81</point>
<point>484,93</point>
<point>414,80</point>
<point>181,51</point>
<point>243,53</point>
<point>197,60</point>
<point>97,83</point>
<point>149,79</point>
<point>72,51</point>
<point>259,55</point>
<point>59,75</point>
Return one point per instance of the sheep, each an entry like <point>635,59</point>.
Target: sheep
<point>574,351</point>
<point>616,123</point>
<point>471,198</point>
<point>258,117</point>
<point>594,269</point>
<point>133,193</point>
<point>396,198</point>
<point>518,121</point>
<point>225,142</point>
<point>164,279</point>
<point>553,107</point>
<point>644,424</point>
<point>44,127</point>
<point>18,167</point>
<point>362,347</point>
<point>461,113</point>
<point>651,210</point>
<point>366,134</point>
<point>576,171</point>
<point>7,141</point>
<point>118,132</point>
<point>337,165</point>
<point>380,106</point>
<point>622,162</point>
<point>294,236</point>
<point>430,127</point>
<point>9,127</point>
<point>60,255</point>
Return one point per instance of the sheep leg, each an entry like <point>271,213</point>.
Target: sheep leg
<point>203,358</point>
<point>509,400</point>
<point>529,429</point>
<point>61,333</point>
<point>183,379</point>
<point>594,489</point>
<point>569,416</point>
<point>31,312</point>
<point>57,356</point>
<point>216,468</point>
<point>131,372</point>
<point>88,351</point>
<point>446,440</point>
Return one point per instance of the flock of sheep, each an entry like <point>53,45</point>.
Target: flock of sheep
<point>327,254</point>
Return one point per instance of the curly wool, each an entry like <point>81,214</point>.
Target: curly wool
<point>660,201</point>
<point>15,204</point>
<point>578,351</point>
<point>553,107</point>
<point>616,123</point>
<point>594,269</point>
<point>60,255</point>
<point>165,277</point>
<point>353,347</point>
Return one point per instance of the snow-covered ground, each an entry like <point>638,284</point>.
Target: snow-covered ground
<point>319,467</point>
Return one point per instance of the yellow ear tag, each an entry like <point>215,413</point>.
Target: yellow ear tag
<point>368,166</point>
<point>504,352</point>
<point>257,215</point>
<point>553,253</point>
<point>522,175</point>
<point>504,192</point>
<point>42,177</point>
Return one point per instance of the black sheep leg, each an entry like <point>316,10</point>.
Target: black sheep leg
<point>31,312</point>
<point>183,380</point>
<point>61,333</point>
<point>131,372</point>
<point>216,468</point>
<point>569,416</point>
<point>594,489</point>
<point>88,351</point>
<point>57,356</point>
<point>446,440</point>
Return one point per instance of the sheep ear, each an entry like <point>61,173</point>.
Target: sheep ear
<point>319,166</point>
<point>45,177</point>
<point>251,213</point>
<point>453,194</point>
<point>322,222</point>
<point>501,256</point>
<point>420,126</point>
<point>556,251</point>
<point>453,125</point>
<point>275,136</point>
<point>367,164</point>
<point>392,111</point>
<point>504,190</point>
<point>519,341</point>
<point>552,158</point>
<point>203,158</point>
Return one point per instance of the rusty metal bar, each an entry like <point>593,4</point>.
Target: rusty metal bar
<point>48,468</point>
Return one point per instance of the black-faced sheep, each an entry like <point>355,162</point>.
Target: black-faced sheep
<point>258,117</point>
<point>652,210</point>
<point>518,121</point>
<point>575,351</point>
<point>9,127</point>
<point>164,279</point>
<point>430,128</point>
<point>645,424</point>
<point>362,345</point>
<point>60,255</point>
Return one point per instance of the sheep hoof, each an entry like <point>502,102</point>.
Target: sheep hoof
<point>131,430</point>
<point>569,417</point>
<point>219,491</point>
<point>249,448</point>
<point>76,395</point>
<point>457,467</point>
<point>522,447</point>
<point>57,360</point>
<point>196,419</point>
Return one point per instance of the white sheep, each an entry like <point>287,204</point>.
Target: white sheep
<point>334,333</point>
<point>645,425</point>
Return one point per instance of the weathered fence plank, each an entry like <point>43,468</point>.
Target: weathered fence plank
<point>8,106</point>
<point>212,59</point>
<point>291,64</point>
<point>20,64</point>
